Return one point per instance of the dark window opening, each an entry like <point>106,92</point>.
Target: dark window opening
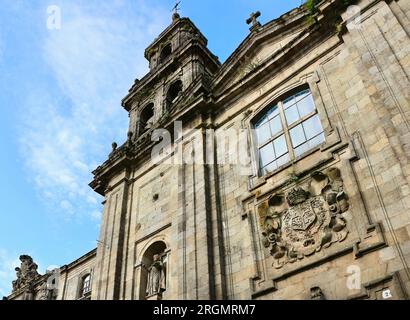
<point>147,118</point>
<point>173,94</point>
<point>166,52</point>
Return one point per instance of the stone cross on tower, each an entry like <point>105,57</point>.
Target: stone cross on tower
<point>254,20</point>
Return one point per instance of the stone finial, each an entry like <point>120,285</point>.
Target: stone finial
<point>175,15</point>
<point>114,146</point>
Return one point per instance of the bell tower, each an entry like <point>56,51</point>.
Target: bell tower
<point>178,59</point>
<point>146,233</point>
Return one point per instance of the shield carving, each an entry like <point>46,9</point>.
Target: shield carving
<point>303,216</point>
<point>303,224</point>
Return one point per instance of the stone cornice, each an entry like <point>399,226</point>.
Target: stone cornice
<point>203,96</point>
<point>89,255</point>
<point>118,160</point>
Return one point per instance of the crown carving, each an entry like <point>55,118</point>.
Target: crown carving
<point>296,196</point>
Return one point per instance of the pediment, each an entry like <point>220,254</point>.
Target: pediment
<point>260,47</point>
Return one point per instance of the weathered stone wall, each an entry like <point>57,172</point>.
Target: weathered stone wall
<point>70,280</point>
<point>360,84</point>
<point>209,216</point>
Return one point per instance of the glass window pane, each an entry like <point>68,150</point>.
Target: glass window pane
<point>274,111</point>
<point>283,160</point>
<point>312,127</point>
<point>292,114</point>
<point>262,121</point>
<point>275,125</point>
<point>302,94</point>
<point>280,146</point>
<point>289,102</point>
<point>267,154</point>
<point>297,135</point>
<point>317,141</point>
<point>301,149</point>
<point>306,105</point>
<point>263,133</point>
<point>270,167</point>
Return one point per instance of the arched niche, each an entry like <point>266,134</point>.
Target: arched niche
<point>157,250</point>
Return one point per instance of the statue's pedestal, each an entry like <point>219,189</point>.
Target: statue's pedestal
<point>154,297</point>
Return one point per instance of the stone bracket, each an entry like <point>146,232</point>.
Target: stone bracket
<point>373,240</point>
<point>372,290</point>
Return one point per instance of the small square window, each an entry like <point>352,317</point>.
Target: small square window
<point>306,106</point>
<point>267,154</point>
<point>297,135</point>
<point>263,133</point>
<point>275,125</point>
<point>280,146</point>
<point>301,149</point>
<point>273,112</point>
<point>289,102</point>
<point>292,114</point>
<point>283,160</point>
<point>312,127</point>
<point>270,167</point>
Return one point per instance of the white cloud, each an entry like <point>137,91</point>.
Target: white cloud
<point>94,58</point>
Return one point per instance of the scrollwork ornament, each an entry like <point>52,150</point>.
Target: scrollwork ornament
<point>304,220</point>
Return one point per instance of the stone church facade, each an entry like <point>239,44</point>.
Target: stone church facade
<point>305,196</point>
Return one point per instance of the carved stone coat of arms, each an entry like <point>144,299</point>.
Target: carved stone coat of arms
<point>303,220</point>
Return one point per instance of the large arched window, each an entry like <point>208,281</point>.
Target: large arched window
<point>173,93</point>
<point>85,286</point>
<point>289,128</point>
<point>146,118</point>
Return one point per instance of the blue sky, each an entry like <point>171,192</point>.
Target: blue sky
<point>60,93</point>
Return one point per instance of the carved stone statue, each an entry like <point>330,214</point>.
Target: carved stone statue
<point>17,283</point>
<point>26,274</point>
<point>303,220</point>
<point>156,277</point>
<point>316,293</point>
